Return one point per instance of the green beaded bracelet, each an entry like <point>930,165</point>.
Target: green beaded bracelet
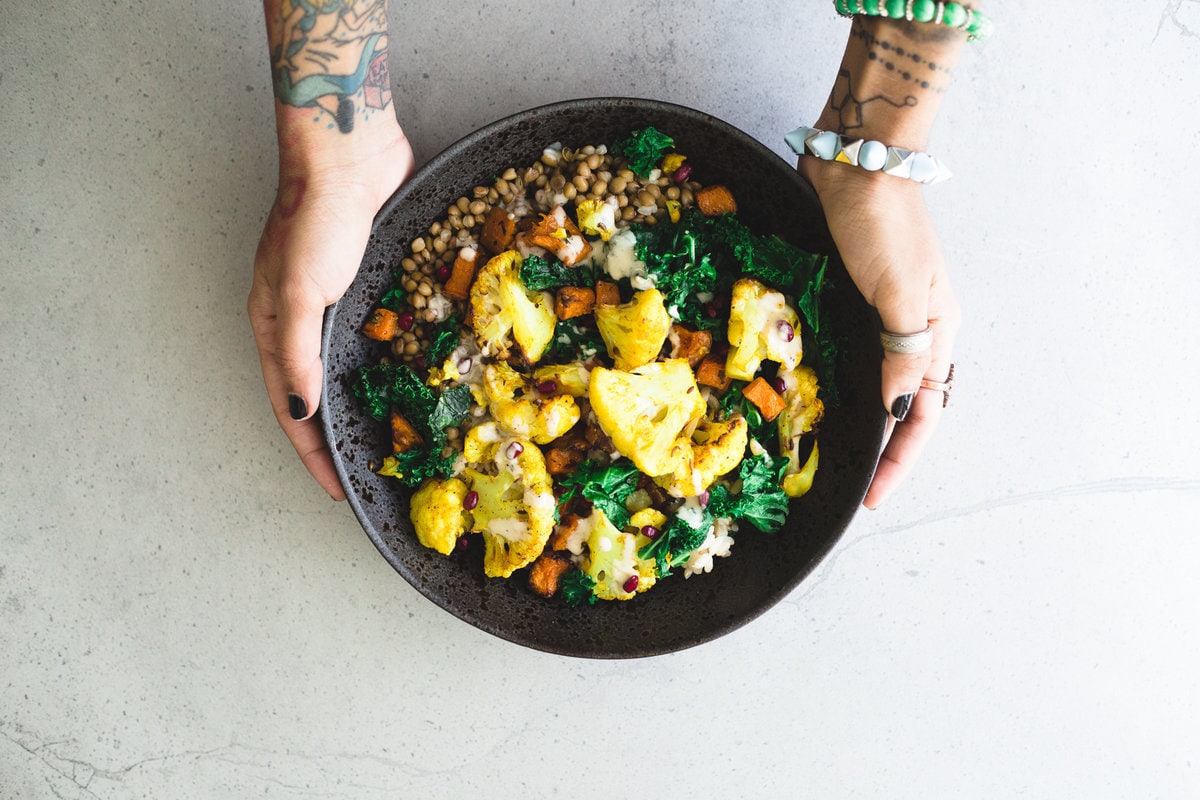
<point>952,15</point>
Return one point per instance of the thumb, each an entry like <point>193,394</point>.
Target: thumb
<point>298,352</point>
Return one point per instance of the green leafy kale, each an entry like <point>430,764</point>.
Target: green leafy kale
<point>608,487</point>
<point>539,274</point>
<point>761,502</point>
<point>734,402</point>
<point>381,387</point>
<point>677,540</point>
<point>444,338</point>
<point>682,264</point>
<point>574,341</point>
<point>415,465</point>
<point>393,298</point>
<point>578,588</point>
<point>645,149</point>
<point>452,407</point>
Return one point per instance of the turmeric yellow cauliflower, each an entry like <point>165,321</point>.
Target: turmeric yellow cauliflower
<point>649,413</point>
<point>514,509</point>
<point>569,378</point>
<point>761,326</point>
<point>597,218</point>
<point>802,412</point>
<point>501,305</point>
<point>612,560</point>
<point>714,449</point>
<point>635,331</point>
<point>522,411</point>
<point>437,514</point>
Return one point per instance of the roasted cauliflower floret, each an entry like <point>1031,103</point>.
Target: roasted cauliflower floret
<point>501,305</point>
<point>437,514</point>
<point>649,413</point>
<point>597,217</point>
<point>514,509</point>
<point>524,412</point>
<point>801,414</point>
<point>612,560</point>
<point>761,326</point>
<point>715,449</point>
<point>569,378</point>
<point>635,331</point>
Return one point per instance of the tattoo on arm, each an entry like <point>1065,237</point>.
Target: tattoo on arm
<point>331,56</point>
<point>907,63</point>
<point>851,108</point>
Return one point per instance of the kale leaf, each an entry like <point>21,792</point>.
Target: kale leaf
<point>578,588</point>
<point>415,465</point>
<point>645,149</point>
<point>444,338</point>
<point>574,341</point>
<point>539,274</point>
<point>608,487</point>
<point>677,540</point>
<point>452,407</point>
<point>381,387</point>
<point>761,502</point>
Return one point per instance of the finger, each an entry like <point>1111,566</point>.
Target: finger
<point>901,372</point>
<point>904,447</point>
<point>298,350</point>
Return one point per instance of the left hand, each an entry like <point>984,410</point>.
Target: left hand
<point>886,239</point>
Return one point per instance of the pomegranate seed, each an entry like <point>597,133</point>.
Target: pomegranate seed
<point>683,173</point>
<point>778,385</point>
<point>631,584</point>
<point>650,532</point>
<point>464,366</point>
<point>786,330</point>
<point>471,500</point>
<point>463,543</point>
<point>406,320</point>
<point>515,449</point>
<point>547,387</point>
<point>442,274</point>
<point>711,311</point>
<point>703,498</point>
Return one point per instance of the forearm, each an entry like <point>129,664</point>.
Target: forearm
<point>329,70</point>
<point>891,82</point>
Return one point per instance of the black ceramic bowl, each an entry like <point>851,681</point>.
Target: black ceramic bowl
<point>677,613</point>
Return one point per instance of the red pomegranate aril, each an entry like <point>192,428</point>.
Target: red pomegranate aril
<point>631,584</point>
<point>463,543</point>
<point>778,385</point>
<point>650,532</point>
<point>471,500</point>
<point>547,387</point>
<point>786,330</point>
<point>442,274</point>
<point>683,173</point>
<point>406,320</point>
<point>703,498</point>
<point>515,449</point>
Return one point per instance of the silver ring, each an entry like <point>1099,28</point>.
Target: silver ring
<point>907,343</point>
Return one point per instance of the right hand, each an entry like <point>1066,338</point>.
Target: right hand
<point>310,251</point>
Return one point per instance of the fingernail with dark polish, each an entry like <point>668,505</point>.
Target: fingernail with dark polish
<point>901,405</point>
<point>297,407</point>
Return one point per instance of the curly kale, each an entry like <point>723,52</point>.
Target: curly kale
<point>761,502</point>
<point>414,466</point>
<point>645,149</point>
<point>578,588</point>
<point>682,535</point>
<point>573,341</point>
<point>539,274</point>
<point>382,387</point>
<point>444,338</point>
<point>608,487</point>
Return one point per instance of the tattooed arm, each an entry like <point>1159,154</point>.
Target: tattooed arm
<point>341,155</point>
<point>889,88</point>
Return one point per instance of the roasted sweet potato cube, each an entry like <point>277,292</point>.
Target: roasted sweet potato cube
<point>546,572</point>
<point>690,344</point>
<point>462,274</point>
<point>499,228</point>
<point>382,325</point>
<point>404,435</point>
<point>765,398</point>
<point>562,460</point>
<point>714,200</point>
<point>607,293</point>
<point>711,372</point>
<point>562,532</point>
<point>573,301</point>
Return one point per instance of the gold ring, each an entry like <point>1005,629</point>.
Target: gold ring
<point>941,386</point>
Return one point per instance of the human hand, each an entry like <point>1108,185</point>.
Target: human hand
<point>310,250</point>
<point>886,239</point>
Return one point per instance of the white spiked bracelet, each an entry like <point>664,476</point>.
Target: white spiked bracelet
<point>868,154</point>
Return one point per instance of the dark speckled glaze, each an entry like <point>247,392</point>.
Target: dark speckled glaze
<point>677,613</point>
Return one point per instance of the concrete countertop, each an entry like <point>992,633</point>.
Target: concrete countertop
<point>184,614</point>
